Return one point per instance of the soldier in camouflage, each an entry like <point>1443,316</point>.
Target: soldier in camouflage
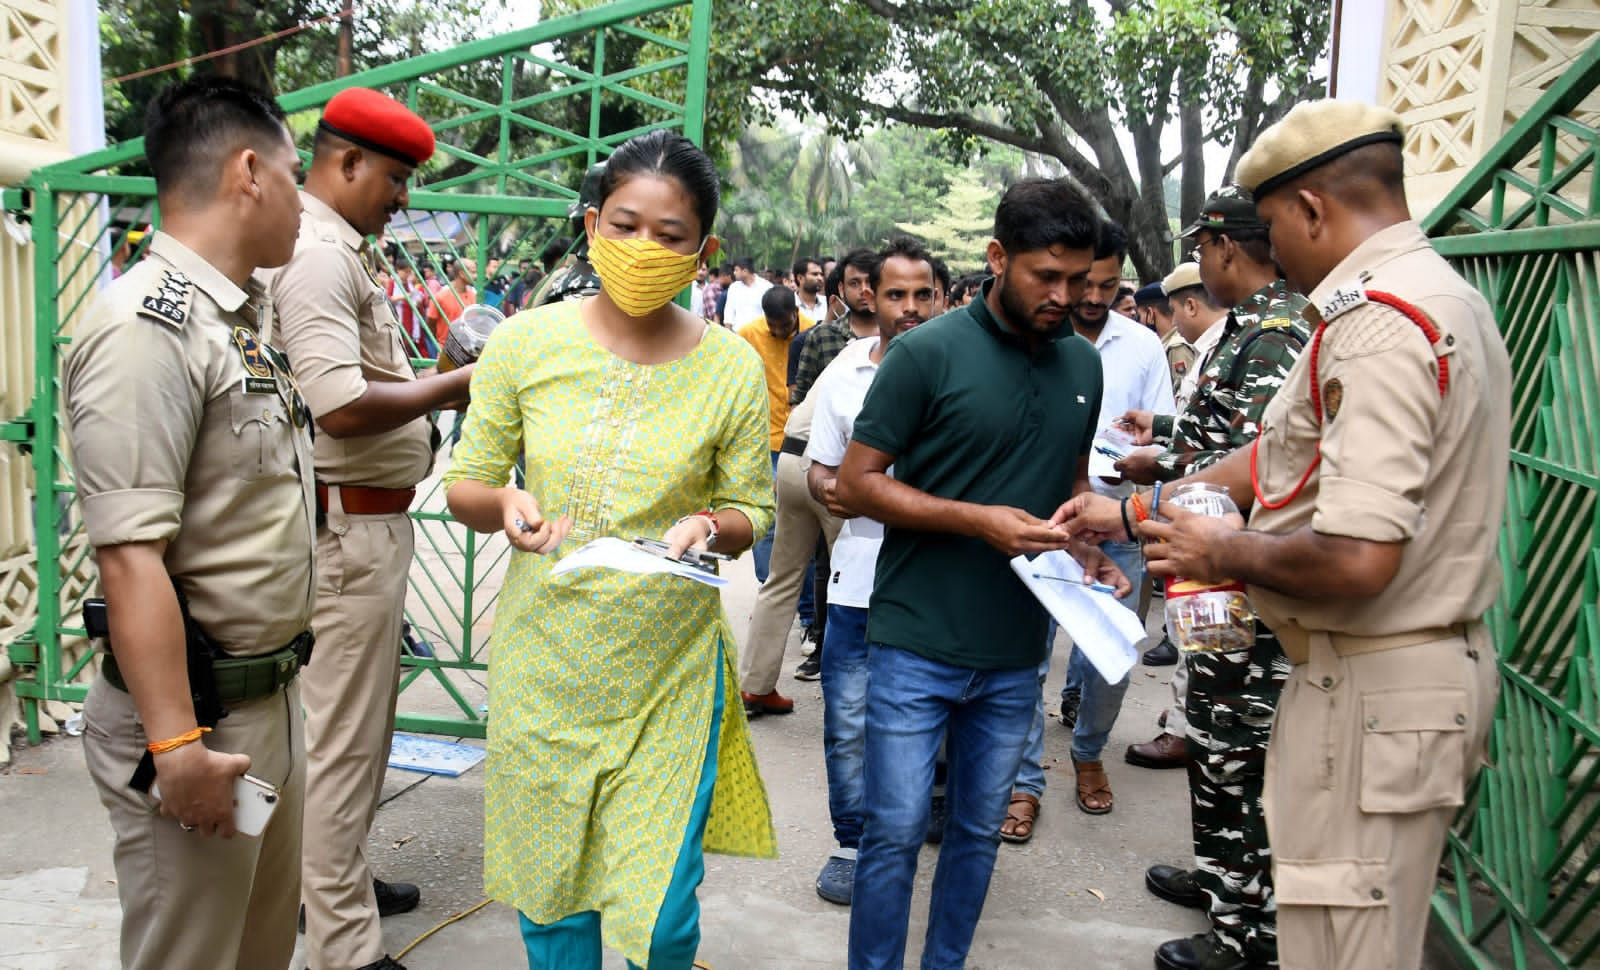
<point>1230,697</point>
<point>574,278</point>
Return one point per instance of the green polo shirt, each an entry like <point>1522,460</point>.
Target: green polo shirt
<point>970,414</point>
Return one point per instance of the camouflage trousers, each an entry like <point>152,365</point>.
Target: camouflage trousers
<point>1230,706</point>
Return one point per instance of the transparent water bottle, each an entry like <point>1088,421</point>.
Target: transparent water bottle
<point>468,333</point>
<point>1210,617</point>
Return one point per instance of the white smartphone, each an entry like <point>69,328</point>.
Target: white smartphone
<point>254,801</point>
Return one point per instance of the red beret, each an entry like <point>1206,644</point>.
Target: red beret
<point>380,123</point>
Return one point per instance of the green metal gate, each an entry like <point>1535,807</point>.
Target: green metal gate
<point>518,118</point>
<point>1523,864</point>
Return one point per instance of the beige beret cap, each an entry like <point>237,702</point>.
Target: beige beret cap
<point>1185,276</point>
<point>1310,135</point>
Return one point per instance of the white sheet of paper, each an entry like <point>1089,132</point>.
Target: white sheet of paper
<point>613,553</point>
<point>1104,466</point>
<point>1106,631</point>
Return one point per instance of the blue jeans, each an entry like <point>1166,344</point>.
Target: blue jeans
<point>912,704</point>
<point>573,943</point>
<point>806,606</point>
<point>844,718</point>
<point>762,550</point>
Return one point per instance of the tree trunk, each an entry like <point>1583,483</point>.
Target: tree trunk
<point>346,39</point>
<point>222,24</point>
<point>1192,183</point>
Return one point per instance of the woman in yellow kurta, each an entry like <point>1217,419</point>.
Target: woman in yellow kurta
<point>612,752</point>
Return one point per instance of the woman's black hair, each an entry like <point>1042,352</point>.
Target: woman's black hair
<point>667,153</point>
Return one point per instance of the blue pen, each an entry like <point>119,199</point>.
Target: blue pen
<point>1102,449</point>
<point>1097,587</point>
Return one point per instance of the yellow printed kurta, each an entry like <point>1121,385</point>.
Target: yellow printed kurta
<point>602,683</point>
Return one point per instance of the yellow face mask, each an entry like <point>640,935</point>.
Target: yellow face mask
<point>639,275</point>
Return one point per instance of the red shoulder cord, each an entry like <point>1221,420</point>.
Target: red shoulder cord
<point>1374,296</point>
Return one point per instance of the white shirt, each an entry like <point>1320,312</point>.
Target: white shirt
<point>1202,353</point>
<point>818,312</point>
<point>1136,378</point>
<point>744,302</point>
<point>697,293</point>
<point>839,393</point>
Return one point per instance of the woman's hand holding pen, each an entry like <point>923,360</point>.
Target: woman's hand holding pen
<point>526,526</point>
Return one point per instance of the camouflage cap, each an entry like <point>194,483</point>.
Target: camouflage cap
<point>1311,135</point>
<point>1229,207</point>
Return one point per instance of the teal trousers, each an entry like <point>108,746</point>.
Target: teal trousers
<point>573,943</point>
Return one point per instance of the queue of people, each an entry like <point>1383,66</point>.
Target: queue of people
<point>249,435</point>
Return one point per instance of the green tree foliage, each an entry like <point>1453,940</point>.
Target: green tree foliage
<point>1061,78</point>
<point>807,192</point>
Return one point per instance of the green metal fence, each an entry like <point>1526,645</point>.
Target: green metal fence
<point>518,118</point>
<point>1523,864</point>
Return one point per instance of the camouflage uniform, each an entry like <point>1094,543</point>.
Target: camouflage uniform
<point>1232,696</point>
<point>574,279</point>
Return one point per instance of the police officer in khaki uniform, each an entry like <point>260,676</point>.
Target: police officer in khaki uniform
<point>374,444</point>
<point>1376,489</point>
<point>193,456</point>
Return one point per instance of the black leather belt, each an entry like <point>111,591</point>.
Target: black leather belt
<point>794,446</point>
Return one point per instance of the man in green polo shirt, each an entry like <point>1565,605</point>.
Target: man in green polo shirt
<point>986,414</point>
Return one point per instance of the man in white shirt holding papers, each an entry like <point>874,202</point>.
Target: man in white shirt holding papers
<point>1135,368</point>
<point>902,282</point>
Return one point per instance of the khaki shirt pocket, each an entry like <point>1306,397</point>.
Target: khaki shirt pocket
<point>263,436</point>
<point>1413,749</point>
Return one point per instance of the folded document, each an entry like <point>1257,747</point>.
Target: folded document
<point>1106,631</point>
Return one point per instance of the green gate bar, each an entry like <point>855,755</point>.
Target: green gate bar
<point>1524,227</point>
<point>513,196</point>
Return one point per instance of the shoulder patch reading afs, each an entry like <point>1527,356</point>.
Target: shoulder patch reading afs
<point>1332,397</point>
<point>170,299</point>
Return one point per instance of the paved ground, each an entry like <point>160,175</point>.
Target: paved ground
<point>1072,898</point>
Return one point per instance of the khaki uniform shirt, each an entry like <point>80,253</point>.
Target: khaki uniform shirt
<point>340,333</point>
<point>186,428</point>
<point>1180,357</point>
<point>1399,463</point>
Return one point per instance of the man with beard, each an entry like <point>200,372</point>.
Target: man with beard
<point>373,445</point>
<point>903,284</point>
<point>987,415</point>
<point>860,320</point>
<point>1135,369</point>
<point>809,281</point>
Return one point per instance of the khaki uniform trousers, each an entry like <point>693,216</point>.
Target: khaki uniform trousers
<point>800,520</point>
<point>350,689</point>
<point>1369,761</point>
<point>191,902</point>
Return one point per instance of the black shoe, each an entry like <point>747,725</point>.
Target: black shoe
<point>1163,654</point>
<point>1175,886</point>
<point>1070,699</point>
<point>808,640</point>
<point>395,898</point>
<point>387,963</point>
<point>938,813</point>
<point>1203,952</point>
<point>809,669</point>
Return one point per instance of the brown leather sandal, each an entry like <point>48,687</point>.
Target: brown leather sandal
<point>1018,826</point>
<point>1094,788</point>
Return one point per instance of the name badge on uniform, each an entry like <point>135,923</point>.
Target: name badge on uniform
<point>258,376</point>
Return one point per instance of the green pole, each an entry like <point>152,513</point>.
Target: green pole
<point>46,514</point>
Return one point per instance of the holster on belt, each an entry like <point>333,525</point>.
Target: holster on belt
<point>215,678</point>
